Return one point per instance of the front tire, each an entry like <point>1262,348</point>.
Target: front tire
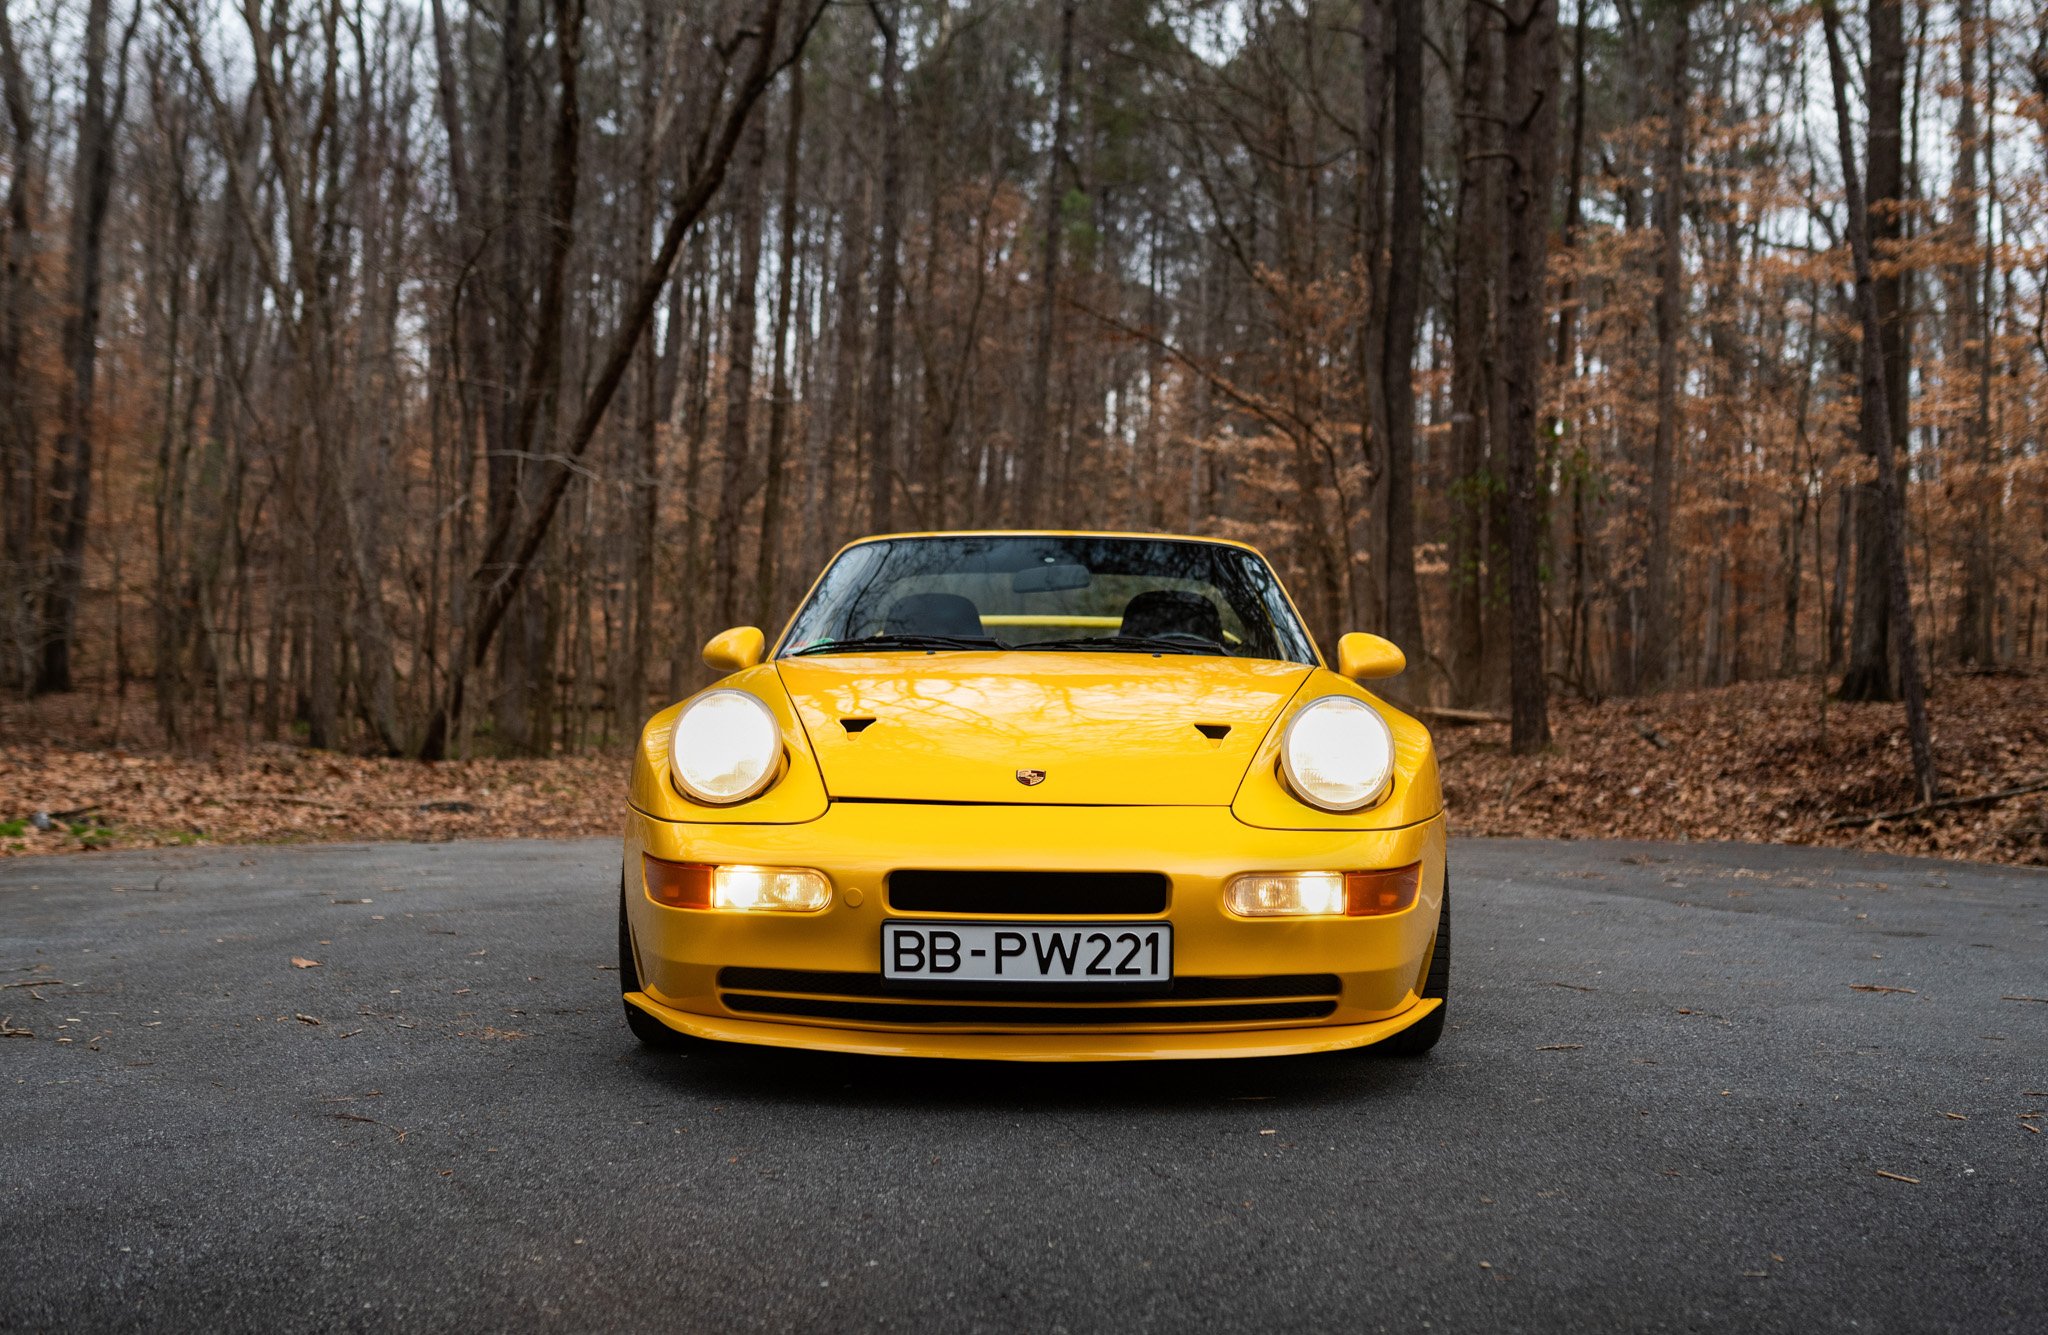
<point>651,1032</point>
<point>1421,1036</point>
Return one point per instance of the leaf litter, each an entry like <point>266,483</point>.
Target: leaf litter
<point>1756,762</point>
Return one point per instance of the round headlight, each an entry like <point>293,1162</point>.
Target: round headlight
<point>1338,754</point>
<point>725,747</point>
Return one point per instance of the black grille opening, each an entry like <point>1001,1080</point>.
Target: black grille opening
<point>886,1012</point>
<point>1027,894</point>
<point>824,982</point>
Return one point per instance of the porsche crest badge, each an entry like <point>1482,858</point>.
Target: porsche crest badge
<point>1030,778</point>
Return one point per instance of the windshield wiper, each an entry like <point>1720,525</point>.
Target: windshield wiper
<point>865,643</point>
<point>1132,644</point>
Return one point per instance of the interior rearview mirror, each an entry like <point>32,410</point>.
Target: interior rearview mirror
<point>1050,579</point>
<point>1363,657</point>
<point>740,647</point>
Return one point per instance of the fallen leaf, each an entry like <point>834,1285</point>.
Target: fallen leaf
<point>1898,1177</point>
<point>9,1031</point>
<point>1561,1047</point>
<point>301,962</point>
<point>1269,1131</point>
<point>2042,1000</point>
<point>1875,987</point>
<point>1991,728</point>
<point>304,1019</point>
<point>1955,1117</point>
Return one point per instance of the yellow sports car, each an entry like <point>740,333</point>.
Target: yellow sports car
<point>1038,797</point>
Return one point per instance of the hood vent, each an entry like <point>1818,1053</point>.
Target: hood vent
<point>1215,732</point>
<point>855,726</point>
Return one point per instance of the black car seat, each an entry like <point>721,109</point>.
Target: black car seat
<point>1173,612</point>
<point>934,614</point>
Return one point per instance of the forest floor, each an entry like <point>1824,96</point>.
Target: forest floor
<point>1760,762</point>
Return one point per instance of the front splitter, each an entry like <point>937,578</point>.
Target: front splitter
<point>1066,1046</point>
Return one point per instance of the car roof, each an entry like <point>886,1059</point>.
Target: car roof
<point>1058,533</point>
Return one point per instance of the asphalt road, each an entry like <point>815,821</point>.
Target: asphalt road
<point>1663,1103</point>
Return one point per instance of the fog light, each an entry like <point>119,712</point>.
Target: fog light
<point>1285,894</point>
<point>770,889</point>
<point>1302,894</point>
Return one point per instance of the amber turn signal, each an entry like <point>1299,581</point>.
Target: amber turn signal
<point>680,885</point>
<point>1371,893</point>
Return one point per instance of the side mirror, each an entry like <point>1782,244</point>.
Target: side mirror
<point>743,647</point>
<point>1363,657</point>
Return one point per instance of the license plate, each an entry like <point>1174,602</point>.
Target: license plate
<point>1096,954</point>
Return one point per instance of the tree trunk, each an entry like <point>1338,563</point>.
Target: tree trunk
<point>1371,325</point>
<point>1563,429</point>
<point>69,499</point>
<point>504,467</point>
<point>1877,425</point>
<point>642,463</point>
<point>1397,374</point>
<point>1530,77</point>
<point>737,448</point>
<point>20,462</point>
<point>779,404</point>
<point>1975,641</point>
<point>1035,453</point>
<point>1473,344</point>
<point>833,438</point>
<point>1871,650</point>
<point>881,389</point>
<point>1659,648</point>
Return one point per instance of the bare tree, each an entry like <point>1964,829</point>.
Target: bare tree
<point>1397,371</point>
<point>1530,74</point>
<point>1877,426</point>
<point>1474,277</point>
<point>510,548</point>
<point>880,426</point>
<point>736,452</point>
<point>1659,612</point>
<point>772,464</point>
<point>1872,647</point>
<point>21,459</point>
<point>1034,449</point>
<point>69,499</point>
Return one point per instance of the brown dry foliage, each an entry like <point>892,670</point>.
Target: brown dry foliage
<point>1766,762</point>
<point>1761,762</point>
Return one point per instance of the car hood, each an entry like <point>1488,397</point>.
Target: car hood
<point>1105,729</point>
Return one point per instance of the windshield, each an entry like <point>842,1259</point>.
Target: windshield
<point>1015,591</point>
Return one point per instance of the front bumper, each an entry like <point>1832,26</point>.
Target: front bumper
<point>1305,985</point>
